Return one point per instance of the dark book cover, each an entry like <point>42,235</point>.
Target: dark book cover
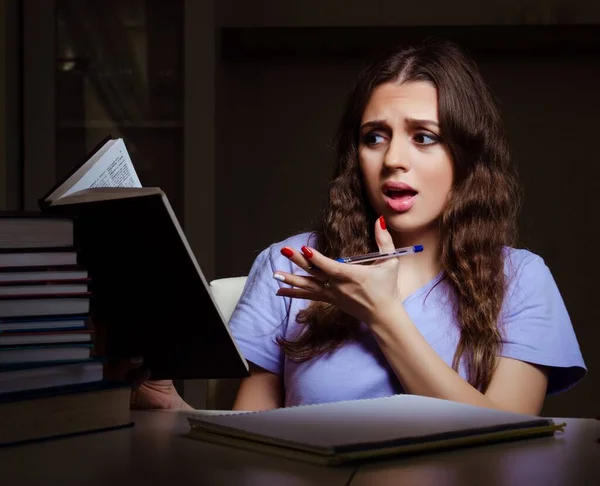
<point>148,295</point>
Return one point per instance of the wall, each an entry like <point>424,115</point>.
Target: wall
<point>9,115</point>
<point>295,13</point>
<point>2,104</point>
<point>549,108</point>
<point>199,155</point>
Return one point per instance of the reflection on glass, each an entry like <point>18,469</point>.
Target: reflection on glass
<point>119,73</point>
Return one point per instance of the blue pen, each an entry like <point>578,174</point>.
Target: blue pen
<point>369,257</point>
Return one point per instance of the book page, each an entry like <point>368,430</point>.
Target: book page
<point>106,193</point>
<point>113,169</point>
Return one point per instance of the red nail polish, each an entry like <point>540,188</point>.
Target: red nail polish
<point>287,252</point>
<point>382,222</point>
<point>307,252</point>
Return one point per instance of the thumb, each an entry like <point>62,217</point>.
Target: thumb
<point>383,236</point>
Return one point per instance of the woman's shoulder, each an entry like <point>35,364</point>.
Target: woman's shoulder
<point>536,324</point>
<point>527,274</point>
<point>519,262</point>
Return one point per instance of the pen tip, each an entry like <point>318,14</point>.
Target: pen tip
<point>418,248</point>
<point>341,260</point>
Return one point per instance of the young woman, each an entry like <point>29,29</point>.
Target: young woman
<point>422,160</point>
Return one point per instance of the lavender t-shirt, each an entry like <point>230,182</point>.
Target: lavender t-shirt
<point>537,329</point>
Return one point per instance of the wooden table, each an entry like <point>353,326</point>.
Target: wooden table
<point>155,451</point>
<point>571,458</point>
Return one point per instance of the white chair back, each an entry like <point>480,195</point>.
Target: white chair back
<point>220,394</point>
<point>227,292</point>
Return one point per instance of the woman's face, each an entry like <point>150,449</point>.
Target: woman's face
<point>406,168</point>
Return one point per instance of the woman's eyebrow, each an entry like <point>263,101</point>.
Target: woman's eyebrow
<point>408,121</point>
<point>374,124</point>
<point>422,122</point>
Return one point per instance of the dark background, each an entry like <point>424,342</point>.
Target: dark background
<point>230,107</point>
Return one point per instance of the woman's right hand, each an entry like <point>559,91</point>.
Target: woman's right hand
<point>157,394</point>
<point>145,393</point>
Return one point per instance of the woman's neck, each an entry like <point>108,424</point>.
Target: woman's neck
<point>424,265</point>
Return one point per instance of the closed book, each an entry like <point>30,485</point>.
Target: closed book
<point>34,324</point>
<point>45,337</point>
<point>49,375</point>
<point>63,411</point>
<point>28,305</point>
<point>30,229</point>
<point>37,273</point>
<point>43,353</point>
<point>38,257</point>
<point>342,432</point>
<point>44,287</point>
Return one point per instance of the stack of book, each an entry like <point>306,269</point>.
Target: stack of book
<point>51,378</point>
<point>146,294</point>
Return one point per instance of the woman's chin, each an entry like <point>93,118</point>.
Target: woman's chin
<point>403,224</point>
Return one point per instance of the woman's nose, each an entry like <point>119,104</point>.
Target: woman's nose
<point>397,156</point>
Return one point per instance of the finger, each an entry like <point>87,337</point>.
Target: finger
<point>329,268</point>
<point>307,283</point>
<point>383,237</point>
<point>303,294</point>
<point>303,262</point>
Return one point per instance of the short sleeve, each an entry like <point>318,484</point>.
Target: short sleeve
<point>260,316</point>
<point>537,327</point>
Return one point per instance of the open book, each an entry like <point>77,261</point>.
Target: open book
<point>149,294</point>
<point>341,432</point>
<point>108,173</point>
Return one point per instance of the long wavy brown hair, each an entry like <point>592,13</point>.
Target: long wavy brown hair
<point>479,219</point>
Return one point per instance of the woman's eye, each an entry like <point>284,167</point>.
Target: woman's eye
<point>425,139</point>
<point>373,138</point>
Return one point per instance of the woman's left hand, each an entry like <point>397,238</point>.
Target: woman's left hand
<point>363,291</point>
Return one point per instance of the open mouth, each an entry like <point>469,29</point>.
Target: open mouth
<point>400,193</point>
<point>399,199</point>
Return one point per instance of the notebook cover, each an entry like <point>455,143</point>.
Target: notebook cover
<point>339,459</point>
<point>345,431</point>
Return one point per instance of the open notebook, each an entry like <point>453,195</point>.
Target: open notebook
<point>341,432</point>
